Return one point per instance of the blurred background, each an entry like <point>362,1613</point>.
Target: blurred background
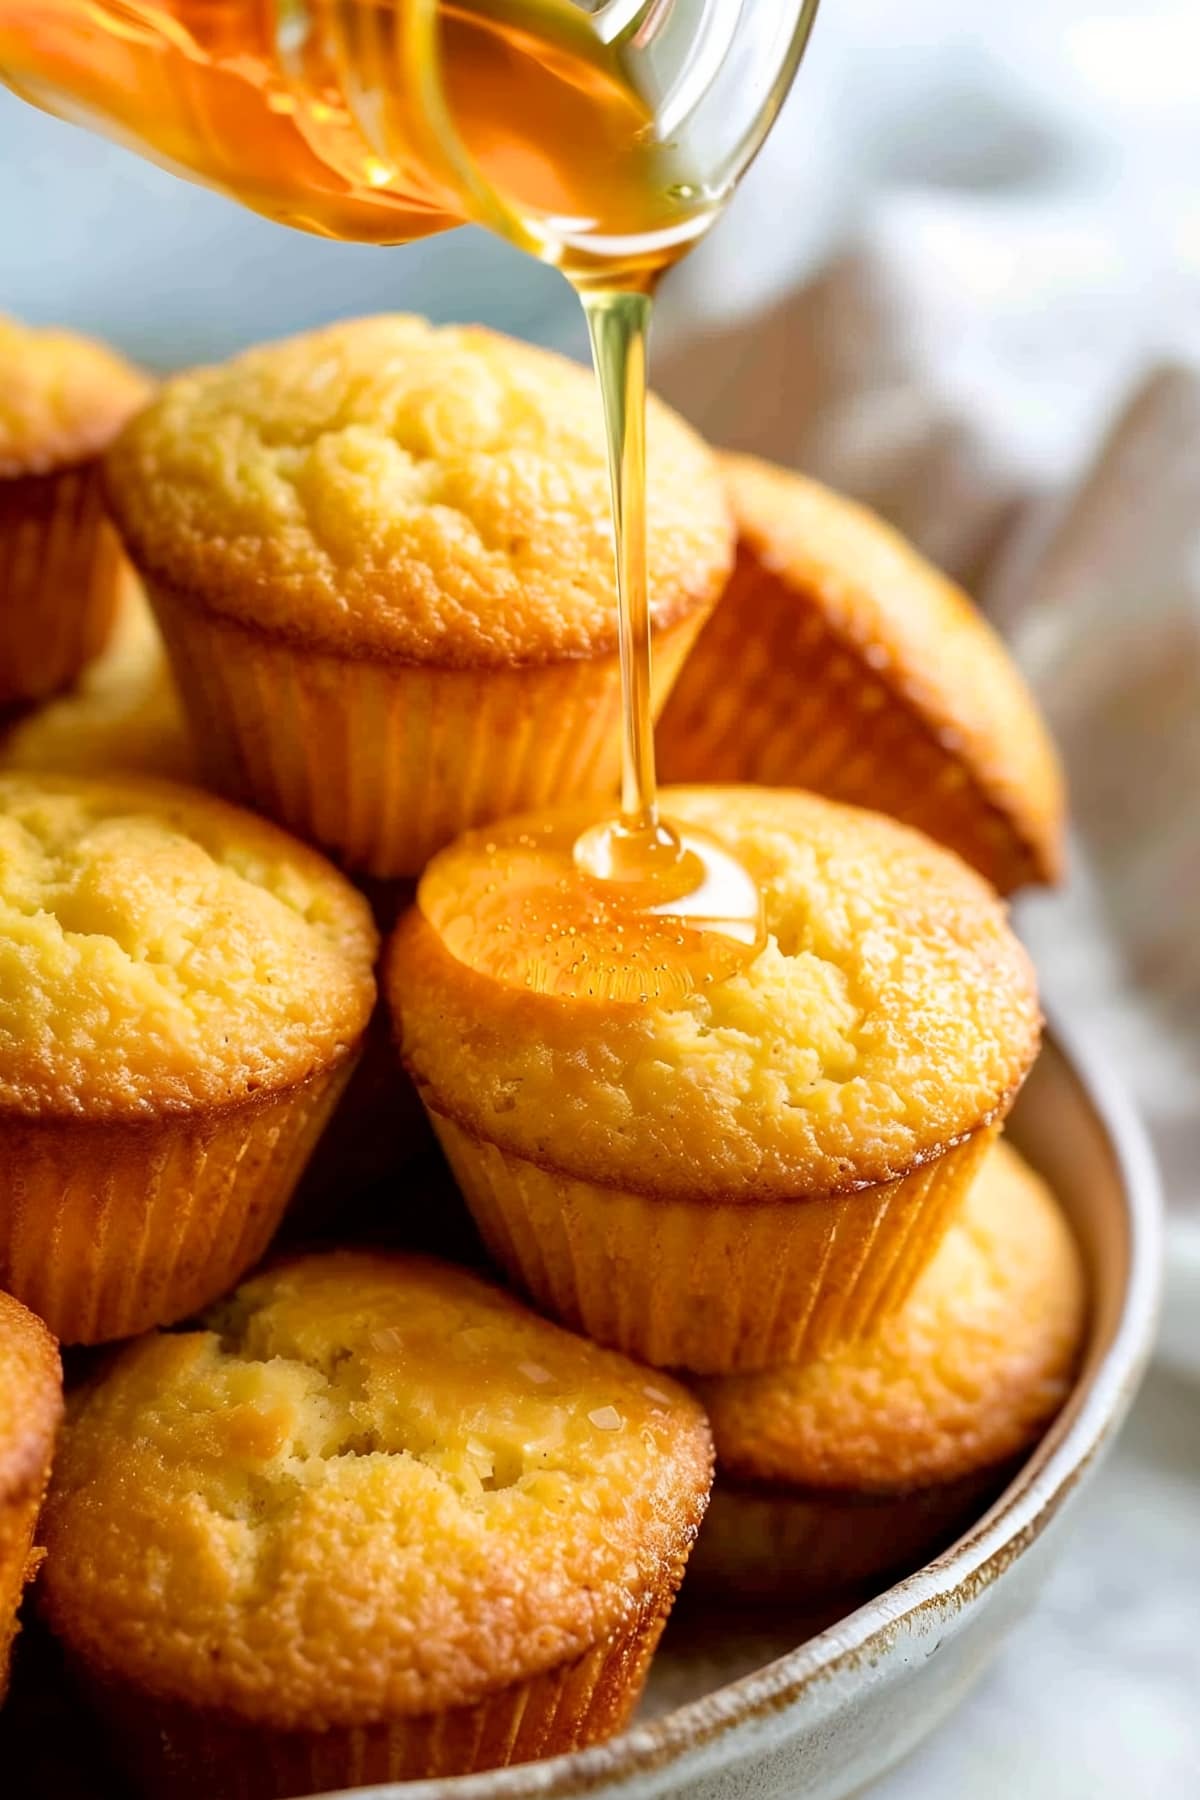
<point>1063,99</point>
<point>963,282</point>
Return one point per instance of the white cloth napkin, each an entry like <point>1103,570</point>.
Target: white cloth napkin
<point>1002,354</point>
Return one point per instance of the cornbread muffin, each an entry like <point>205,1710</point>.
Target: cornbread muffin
<point>382,558</point>
<point>30,1408</point>
<point>840,660</point>
<point>856,1465</point>
<point>62,400</point>
<point>746,1173</point>
<point>183,991</point>
<point>123,716</point>
<point>372,1520</point>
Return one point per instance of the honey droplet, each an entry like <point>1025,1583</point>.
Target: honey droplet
<point>594,914</point>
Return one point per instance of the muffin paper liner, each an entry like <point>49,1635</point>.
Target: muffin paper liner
<point>383,763</point>
<point>772,695</point>
<point>796,1545</point>
<point>61,567</point>
<point>377,1132</point>
<point>109,1229</point>
<point>184,1753</point>
<point>709,1285</point>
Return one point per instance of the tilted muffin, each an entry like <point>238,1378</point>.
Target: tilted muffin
<point>372,1520</point>
<point>183,990</point>
<point>123,716</point>
<point>382,558</point>
<point>857,1465</point>
<point>739,1175</point>
<point>840,660</point>
<point>62,400</point>
<point>30,1409</point>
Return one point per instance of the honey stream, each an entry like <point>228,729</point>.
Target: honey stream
<point>383,120</point>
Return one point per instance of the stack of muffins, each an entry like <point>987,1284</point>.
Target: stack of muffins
<point>361,1515</point>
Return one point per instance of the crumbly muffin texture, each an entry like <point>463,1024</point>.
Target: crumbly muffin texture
<point>968,1373</point>
<point>891,1012</point>
<point>368,1486</point>
<point>433,495</point>
<point>62,398</point>
<point>159,950</point>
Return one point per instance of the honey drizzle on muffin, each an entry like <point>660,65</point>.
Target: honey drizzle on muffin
<point>381,121</point>
<point>636,907</point>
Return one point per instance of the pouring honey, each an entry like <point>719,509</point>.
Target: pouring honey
<point>604,138</point>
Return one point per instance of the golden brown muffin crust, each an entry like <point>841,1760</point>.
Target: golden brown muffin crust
<point>124,716</point>
<point>30,1399</point>
<point>373,1486</point>
<point>385,488</point>
<point>63,398</point>
<point>919,633</point>
<point>964,1376</point>
<point>161,950</point>
<point>892,1013</point>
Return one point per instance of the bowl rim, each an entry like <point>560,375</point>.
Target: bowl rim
<point>1027,1506</point>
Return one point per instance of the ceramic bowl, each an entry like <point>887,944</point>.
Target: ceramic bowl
<point>743,1708</point>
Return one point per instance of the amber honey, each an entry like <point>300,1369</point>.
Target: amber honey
<point>518,903</point>
<point>381,121</point>
<point>323,115</point>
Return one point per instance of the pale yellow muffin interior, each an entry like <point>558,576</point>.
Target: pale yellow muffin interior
<point>160,949</point>
<point>122,716</point>
<point>891,1012</point>
<point>366,1486</point>
<point>62,397</point>
<point>437,495</point>
<point>965,1375</point>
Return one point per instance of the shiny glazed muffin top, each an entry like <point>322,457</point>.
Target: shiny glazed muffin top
<point>30,1399</point>
<point>370,1485</point>
<point>967,1374</point>
<point>161,950</point>
<point>892,1012</point>
<point>433,495</point>
<point>62,398</point>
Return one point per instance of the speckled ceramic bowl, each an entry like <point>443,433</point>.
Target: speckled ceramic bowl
<point>754,1709</point>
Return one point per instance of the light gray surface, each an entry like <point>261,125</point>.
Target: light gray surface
<point>1097,1697</point>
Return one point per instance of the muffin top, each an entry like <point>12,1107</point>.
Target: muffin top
<point>891,1013</point>
<point>123,716</point>
<point>62,398</point>
<point>432,495</point>
<point>162,950</point>
<point>30,1399</point>
<point>370,1485</point>
<point>968,1373</point>
<point>923,638</point>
